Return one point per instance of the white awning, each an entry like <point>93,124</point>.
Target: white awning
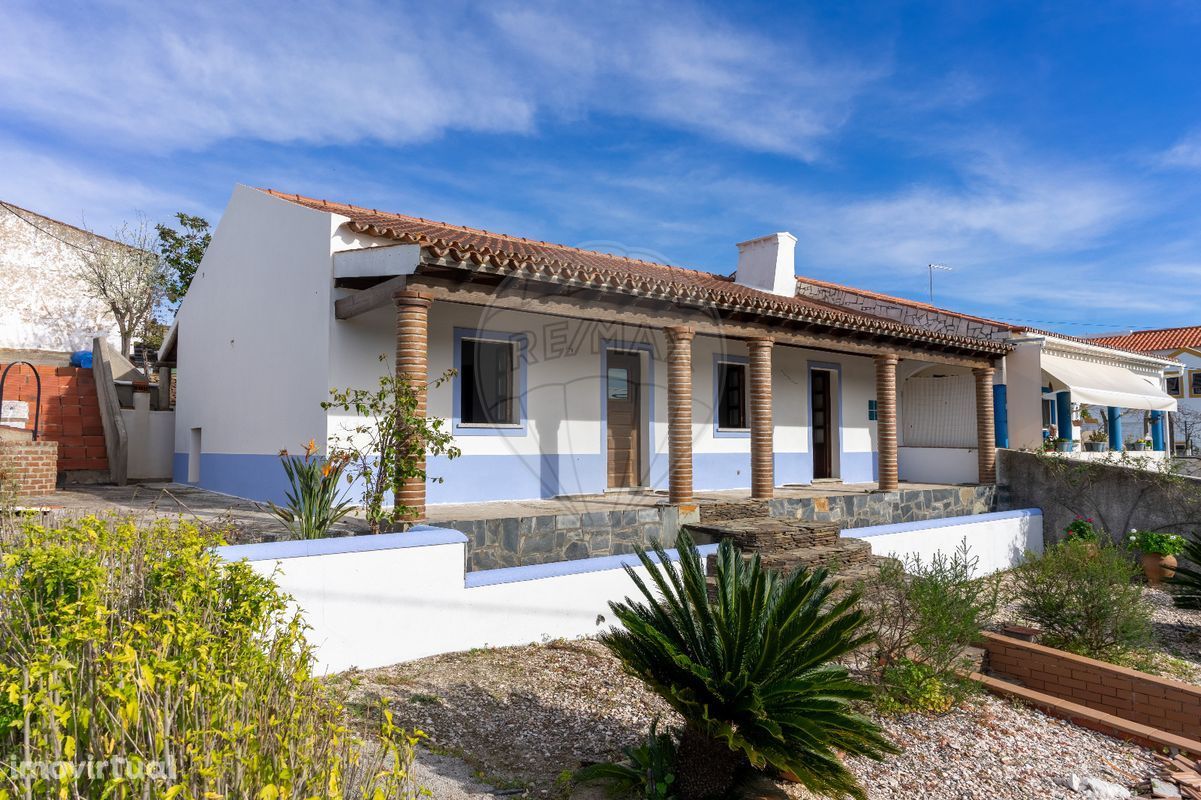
<point>1097,384</point>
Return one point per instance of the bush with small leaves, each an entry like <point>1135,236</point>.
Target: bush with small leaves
<point>1086,599</point>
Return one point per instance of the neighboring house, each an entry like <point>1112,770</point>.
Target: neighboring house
<point>578,372</point>
<point>1183,380</point>
<point>43,305</point>
<point>1046,379</point>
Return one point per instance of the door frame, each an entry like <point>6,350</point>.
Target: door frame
<point>646,352</point>
<point>836,451</point>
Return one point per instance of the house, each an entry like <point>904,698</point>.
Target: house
<point>1047,378</point>
<point>43,306</point>
<point>1183,380</point>
<point>577,372</point>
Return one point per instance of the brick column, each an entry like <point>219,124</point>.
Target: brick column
<point>762,449</point>
<point>886,421</point>
<point>412,362</point>
<point>985,437</point>
<point>679,414</point>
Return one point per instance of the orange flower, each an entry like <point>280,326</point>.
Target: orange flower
<point>311,447</point>
<point>325,470</point>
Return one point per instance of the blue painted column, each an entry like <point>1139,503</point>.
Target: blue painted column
<point>1157,431</point>
<point>1000,414</point>
<point>1063,403</point>
<point>1115,429</point>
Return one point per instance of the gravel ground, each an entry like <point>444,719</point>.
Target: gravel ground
<point>523,717</point>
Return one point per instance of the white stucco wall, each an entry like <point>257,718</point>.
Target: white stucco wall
<point>151,436</point>
<point>998,540</point>
<point>253,348</point>
<point>43,306</point>
<point>412,586</point>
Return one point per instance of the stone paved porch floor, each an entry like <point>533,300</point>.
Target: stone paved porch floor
<point>621,501</point>
<point>155,500</point>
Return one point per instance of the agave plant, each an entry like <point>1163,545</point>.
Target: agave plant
<point>315,502</point>
<point>1187,581</point>
<point>647,774</point>
<point>751,672</point>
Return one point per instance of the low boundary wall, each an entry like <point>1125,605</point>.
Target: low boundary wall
<point>378,600</point>
<point>999,539</point>
<point>1159,703</point>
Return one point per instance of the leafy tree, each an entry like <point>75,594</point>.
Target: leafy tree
<point>751,671</point>
<point>126,274</point>
<point>388,442</point>
<point>181,251</point>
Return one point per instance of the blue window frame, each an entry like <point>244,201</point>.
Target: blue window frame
<point>490,383</point>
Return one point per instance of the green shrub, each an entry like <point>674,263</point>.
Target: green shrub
<point>142,645</point>
<point>1086,599</point>
<point>1156,543</point>
<point>649,772</point>
<point>751,671</point>
<point>315,500</point>
<point>1082,529</point>
<point>909,686</point>
<point>1186,584</point>
<point>923,616</point>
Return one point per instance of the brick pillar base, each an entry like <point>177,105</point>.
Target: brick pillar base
<point>762,447</point>
<point>886,421</point>
<point>28,469</point>
<point>985,434</point>
<point>412,362</point>
<point>679,414</point>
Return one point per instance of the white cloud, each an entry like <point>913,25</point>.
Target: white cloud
<point>1185,153</point>
<point>173,76</point>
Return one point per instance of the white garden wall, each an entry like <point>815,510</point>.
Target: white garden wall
<point>378,600</point>
<point>999,540</point>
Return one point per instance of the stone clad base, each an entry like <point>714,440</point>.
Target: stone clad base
<point>513,541</point>
<point>522,541</point>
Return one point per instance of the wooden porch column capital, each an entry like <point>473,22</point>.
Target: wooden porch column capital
<point>986,438</point>
<point>412,362</point>
<point>886,421</point>
<point>411,297</point>
<point>762,429</point>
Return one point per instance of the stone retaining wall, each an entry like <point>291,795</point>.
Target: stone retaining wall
<point>887,508</point>
<point>522,541</point>
<point>1160,703</point>
<point>30,467</point>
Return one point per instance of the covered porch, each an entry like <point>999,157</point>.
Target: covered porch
<point>778,343</point>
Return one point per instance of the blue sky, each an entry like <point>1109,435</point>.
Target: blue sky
<point>1051,154</point>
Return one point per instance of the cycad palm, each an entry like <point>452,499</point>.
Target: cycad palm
<point>750,672</point>
<point>1187,581</point>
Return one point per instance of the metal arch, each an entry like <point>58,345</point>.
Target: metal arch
<point>37,407</point>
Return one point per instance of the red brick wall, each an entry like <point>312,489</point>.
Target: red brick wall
<point>1136,696</point>
<point>70,413</point>
<point>33,465</point>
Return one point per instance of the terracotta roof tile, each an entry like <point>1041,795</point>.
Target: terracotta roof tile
<point>509,254</point>
<point>1150,341</point>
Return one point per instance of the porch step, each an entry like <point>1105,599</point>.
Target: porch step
<point>768,534</point>
<point>837,556</point>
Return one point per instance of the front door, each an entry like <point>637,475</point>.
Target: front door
<point>823,428</point>
<point>624,414</point>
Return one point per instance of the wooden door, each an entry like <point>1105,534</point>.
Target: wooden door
<point>623,398</point>
<point>823,428</point>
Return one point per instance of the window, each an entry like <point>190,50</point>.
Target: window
<point>873,411</point>
<point>1172,384</point>
<point>1194,383</point>
<point>487,384</point>
<point>731,396</point>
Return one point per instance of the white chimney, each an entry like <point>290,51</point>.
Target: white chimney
<point>768,263</point>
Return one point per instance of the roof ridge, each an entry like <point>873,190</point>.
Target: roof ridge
<point>485,232</point>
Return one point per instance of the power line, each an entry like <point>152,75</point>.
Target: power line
<point>39,228</point>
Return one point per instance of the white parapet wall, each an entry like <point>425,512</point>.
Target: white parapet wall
<point>999,540</point>
<point>378,600</point>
